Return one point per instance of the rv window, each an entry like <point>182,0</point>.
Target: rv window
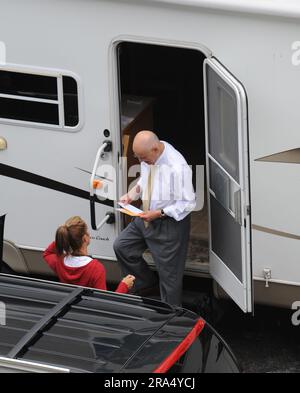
<point>70,101</point>
<point>38,86</point>
<point>28,111</point>
<point>38,98</point>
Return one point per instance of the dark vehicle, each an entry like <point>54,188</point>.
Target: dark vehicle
<point>53,327</point>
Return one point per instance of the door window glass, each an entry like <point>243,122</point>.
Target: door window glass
<point>222,124</point>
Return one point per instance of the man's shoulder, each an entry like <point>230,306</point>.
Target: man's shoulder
<point>174,156</point>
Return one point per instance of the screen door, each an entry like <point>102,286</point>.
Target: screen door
<point>228,183</point>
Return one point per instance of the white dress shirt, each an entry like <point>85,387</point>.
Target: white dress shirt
<point>172,188</point>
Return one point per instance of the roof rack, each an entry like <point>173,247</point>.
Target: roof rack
<point>51,316</point>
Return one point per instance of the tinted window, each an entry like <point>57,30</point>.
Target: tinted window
<point>29,111</point>
<point>70,101</point>
<point>222,123</point>
<point>31,92</point>
<point>207,354</point>
<point>20,84</point>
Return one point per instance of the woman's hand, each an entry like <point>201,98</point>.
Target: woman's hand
<point>129,281</point>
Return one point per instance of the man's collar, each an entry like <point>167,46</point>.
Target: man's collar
<point>162,155</point>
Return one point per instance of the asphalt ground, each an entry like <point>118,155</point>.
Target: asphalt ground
<point>267,342</point>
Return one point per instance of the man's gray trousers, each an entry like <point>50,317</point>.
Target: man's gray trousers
<point>167,240</point>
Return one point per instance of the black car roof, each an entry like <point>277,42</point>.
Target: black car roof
<point>88,330</point>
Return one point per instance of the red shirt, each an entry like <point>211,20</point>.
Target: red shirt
<point>83,271</point>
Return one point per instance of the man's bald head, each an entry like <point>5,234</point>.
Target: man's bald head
<point>146,146</point>
<point>144,141</point>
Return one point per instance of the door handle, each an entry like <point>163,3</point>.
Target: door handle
<point>106,147</point>
<point>110,217</point>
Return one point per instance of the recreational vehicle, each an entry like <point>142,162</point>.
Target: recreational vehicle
<point>217,79</point>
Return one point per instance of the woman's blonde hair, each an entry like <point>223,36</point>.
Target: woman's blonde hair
<point>69,237</point>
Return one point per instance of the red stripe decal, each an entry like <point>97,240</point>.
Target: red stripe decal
<point>181,348</point>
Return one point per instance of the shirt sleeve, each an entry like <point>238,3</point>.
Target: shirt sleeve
<point>50,256</point>
<point>139,183</point>
<point>137,195</point>
<point>144,176</point>
<point>122,288</point>
<point>99,281</point>
<point>183,193</point>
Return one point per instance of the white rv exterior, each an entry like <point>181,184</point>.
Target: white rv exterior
<point>251,45</point>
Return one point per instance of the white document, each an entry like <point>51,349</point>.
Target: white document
<point>132,210</point>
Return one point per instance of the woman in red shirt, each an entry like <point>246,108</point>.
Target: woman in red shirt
<point>68,257</point>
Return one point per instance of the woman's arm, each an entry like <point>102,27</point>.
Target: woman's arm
<point>99,276</point>
<point>122,287</point>
<point>99,281</point>
<point>50,256</point>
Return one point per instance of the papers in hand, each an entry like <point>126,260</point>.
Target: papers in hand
<point>129,209</point>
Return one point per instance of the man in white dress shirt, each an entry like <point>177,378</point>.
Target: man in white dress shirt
<point>166,189</point>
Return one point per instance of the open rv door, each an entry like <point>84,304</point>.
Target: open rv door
<point>228,183</point>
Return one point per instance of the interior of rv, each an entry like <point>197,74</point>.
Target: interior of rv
<point>161,89</point>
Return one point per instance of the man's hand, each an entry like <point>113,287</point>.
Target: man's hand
<point>132,195</point>
<point>150,215</point>
<point>125,199</point>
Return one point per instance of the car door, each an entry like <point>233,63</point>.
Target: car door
<point>228,183</point>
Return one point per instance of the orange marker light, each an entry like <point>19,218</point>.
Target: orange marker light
<point>97,184</point>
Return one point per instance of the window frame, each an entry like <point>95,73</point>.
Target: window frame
<point>58,74</point>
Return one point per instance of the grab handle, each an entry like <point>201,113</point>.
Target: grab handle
<point>110,217</point>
